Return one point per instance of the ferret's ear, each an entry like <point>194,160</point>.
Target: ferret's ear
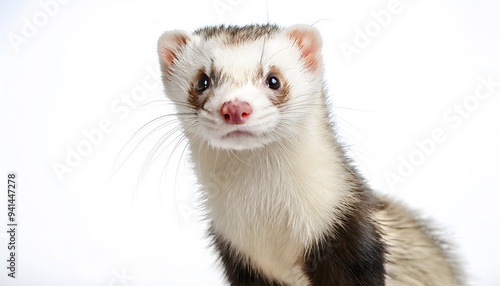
<point>308,39</point>
<point>170,46</point>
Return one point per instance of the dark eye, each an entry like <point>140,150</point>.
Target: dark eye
<point>273,82</point>
<point>203,83</point>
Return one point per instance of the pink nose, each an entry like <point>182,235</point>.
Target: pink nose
<point>236,112</point>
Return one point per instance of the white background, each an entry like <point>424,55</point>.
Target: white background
<point>65,68</point>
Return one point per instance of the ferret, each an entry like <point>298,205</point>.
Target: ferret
<point>285,204</point>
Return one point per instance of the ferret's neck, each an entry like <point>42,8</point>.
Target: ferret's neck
<point>302,183</point>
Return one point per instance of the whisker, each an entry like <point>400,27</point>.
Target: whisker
<point>232,152</point>
<point>170,133</point>
<point>200,52</point>
<point>358,142</point>
<point>179,139</point>
<point>320,20</point>
<point>262,51</point>
<point>168,102</point>
<point>352,109</point>
<point>154,154</point>
<point>181,160</point>
<point>279,51</point>
<point>165,101</point>
<point>115,170</point>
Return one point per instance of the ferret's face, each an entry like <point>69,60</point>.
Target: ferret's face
<point>242,88</point>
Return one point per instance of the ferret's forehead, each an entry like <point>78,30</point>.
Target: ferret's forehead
<point>246,60</point>
<point>238,55</point>
<point>236,63</point>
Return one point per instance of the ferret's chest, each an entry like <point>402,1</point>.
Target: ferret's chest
<point>262,231</point>
<point>272,205</point>
<point>268,213</point>
<point>252,206</point>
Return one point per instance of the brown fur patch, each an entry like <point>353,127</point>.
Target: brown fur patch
<point>352,253</point>
<point>237,271</point>
<point>282,94</point>
<point>194,95</point>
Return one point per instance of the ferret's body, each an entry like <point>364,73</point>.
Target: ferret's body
<point>285,205</point>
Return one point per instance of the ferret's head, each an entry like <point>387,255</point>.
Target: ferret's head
<point>243,87</point>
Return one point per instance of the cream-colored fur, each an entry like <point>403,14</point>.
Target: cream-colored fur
<point>415,255</point>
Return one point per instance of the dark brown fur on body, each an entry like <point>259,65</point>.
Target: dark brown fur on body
<point>350,254</point>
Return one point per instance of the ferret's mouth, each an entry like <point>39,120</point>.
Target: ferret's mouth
<point>238,134</point>
<point>239,139</point>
